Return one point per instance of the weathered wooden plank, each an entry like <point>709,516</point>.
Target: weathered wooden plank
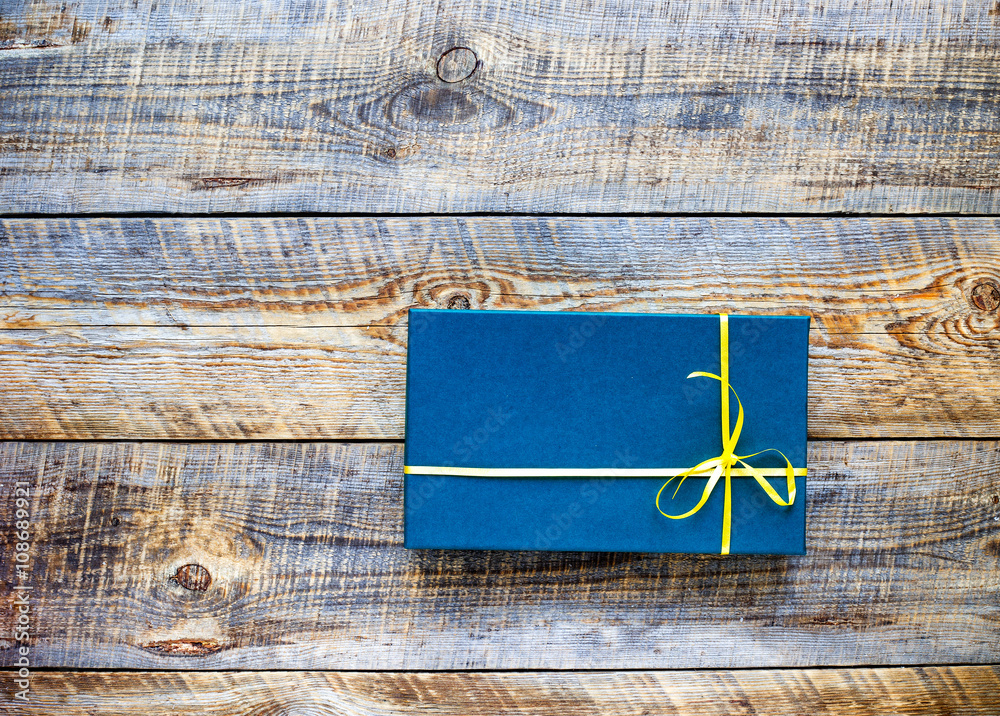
<point>610,106</point>
<point>295,328</point>
<point>207,555</point>
<point>935,690</point>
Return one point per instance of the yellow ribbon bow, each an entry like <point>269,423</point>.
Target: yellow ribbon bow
<point>724,463</point>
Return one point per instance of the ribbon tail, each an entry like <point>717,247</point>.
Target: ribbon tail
<point>716,474</point>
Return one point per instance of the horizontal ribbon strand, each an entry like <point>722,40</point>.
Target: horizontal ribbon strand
<point>583,471</point>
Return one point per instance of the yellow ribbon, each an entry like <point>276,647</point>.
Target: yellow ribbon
<point>725,463</point>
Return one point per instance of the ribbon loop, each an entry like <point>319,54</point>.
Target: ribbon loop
<point>724,463</point>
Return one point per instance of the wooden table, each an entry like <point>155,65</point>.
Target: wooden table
<point>216,215</point>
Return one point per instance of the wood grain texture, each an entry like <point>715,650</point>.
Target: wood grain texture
<point>928,691</point>
<point>609,106</point>
<point>296,328</point>
<point>300,545</point>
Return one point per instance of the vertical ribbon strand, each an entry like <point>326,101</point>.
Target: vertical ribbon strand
<point>723,464</point>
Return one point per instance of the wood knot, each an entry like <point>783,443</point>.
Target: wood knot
<point>193,577</point>
<point>986,296</point>
<point>457,64</point>
<point>460,303</point>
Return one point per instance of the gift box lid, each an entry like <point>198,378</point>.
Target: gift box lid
<point>546,391</point>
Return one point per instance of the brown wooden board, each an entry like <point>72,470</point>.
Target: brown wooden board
<point>288,556</point>
<point>453,106</point>
<point>929,691</point>
<point>279,328</point>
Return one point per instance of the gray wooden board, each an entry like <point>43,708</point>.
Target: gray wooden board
<point>610,106</point>
<point>277,328</point>
<point>288,556</point>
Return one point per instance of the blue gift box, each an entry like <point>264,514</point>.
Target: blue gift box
<point>537,430</point>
